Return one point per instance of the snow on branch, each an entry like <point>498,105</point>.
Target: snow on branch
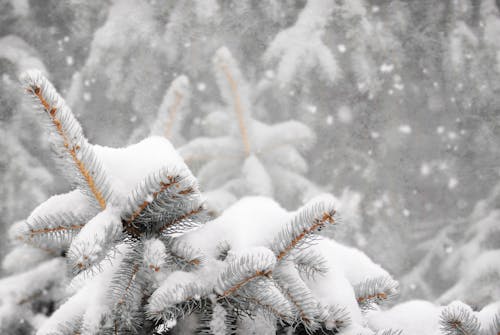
<point>216,319</point>
<point>168,121</point>
<point>67,319</point>
<point>95,239</point>
<point>171,302</point>
<point>70,143</point>
<point>161,201</point>
<point>262,294</point>
<point>53,224</point>
<point>292,133</point>
<point>127,289</point>
<point>244,268</point>
<point>389,332</point>
<point>310,263</point>
<point>308,220</point>
<point>375,291</point>
<point>233,89</point>
<point>155,255</point>
<point>54,231</point>
<point>183,254</point>
<point>333,318</point>
<point>458,319</point>
<point>304,305</point>
<point>300,48</point>
<point>188,216</point>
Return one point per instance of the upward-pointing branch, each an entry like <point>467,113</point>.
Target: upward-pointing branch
<point>70,142</point>
<point>224,60</point>
<point>172,111</point>
<point>307,221</point>
<point>238,108</point>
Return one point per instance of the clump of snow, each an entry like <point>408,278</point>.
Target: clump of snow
<point>154,254</point>
<point>414,317</point>
<point>92,242</point>
<point>252,221</point>
<point>127,167</point>
<point>74,201</point>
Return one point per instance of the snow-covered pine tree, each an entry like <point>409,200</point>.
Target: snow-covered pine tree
<point>243,156</point>
<point>140,261</point>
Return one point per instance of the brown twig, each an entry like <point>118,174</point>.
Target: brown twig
<point>317,224</point>
<point>71,149</point>
<point>238,108</point>
<point>172,111</point>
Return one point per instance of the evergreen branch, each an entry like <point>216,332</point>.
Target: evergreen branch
<point>307,221</point>
<point>183,254</point>
<point>216,318</point>
<point>310,263</point>
<point>67,319</point>
<point>19,232</point>
<point>458,319</point>
<point>375,291</point>
<point>173,102</point>
<point>50,251</point>
<point>172,111</point>
<point>223,249</point>
<point>239,109</point>
<point>243,269</point>
<point>389,332</point>
<point>53,230</point>
<point>190,217</point>
<point>127,290</point>
<point>155,254</point>
<point>93,242</point>
<point>300,296</point>
<point>263,294</point>
<point>91,176</point>
<point>174,302</point>
<point>334,318</point>
<point>222,59</point>
<point>167,201</point>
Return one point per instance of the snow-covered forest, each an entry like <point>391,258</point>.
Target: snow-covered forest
<point>250,167</point>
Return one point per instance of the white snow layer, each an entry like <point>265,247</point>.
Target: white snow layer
<point>256,221</point>
<point>127,167</point>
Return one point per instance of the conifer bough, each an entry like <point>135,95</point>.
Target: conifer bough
<point>146,259</point>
